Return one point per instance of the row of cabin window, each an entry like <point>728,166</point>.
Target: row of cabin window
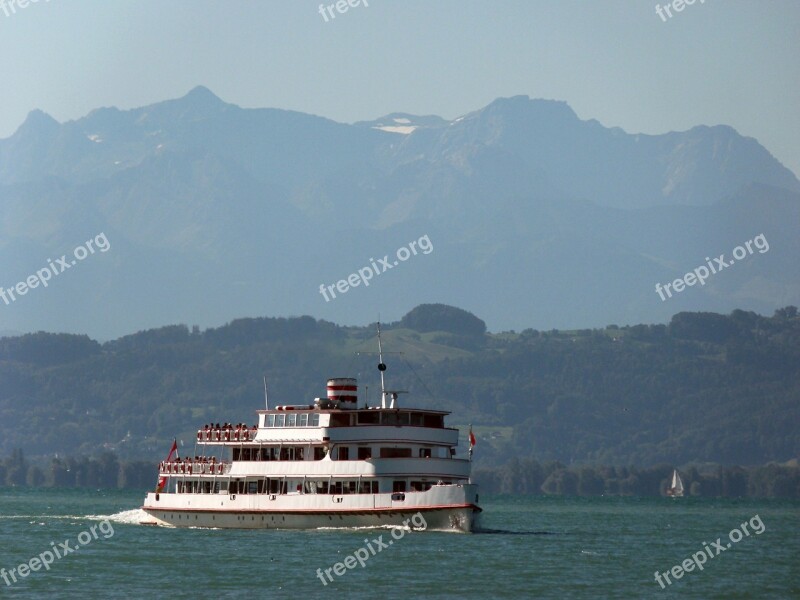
<point>347,419</point>
<point>277,486</point>
<point>374,417</point>
<point>271,453</point>
<point>293,420</point>
<point>365,452</point>
<point>280,486</point>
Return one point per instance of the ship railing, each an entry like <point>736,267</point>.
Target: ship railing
<point>192,467</point>
<point>226,434</point>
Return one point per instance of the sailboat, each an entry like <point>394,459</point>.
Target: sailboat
<point>676,489</point>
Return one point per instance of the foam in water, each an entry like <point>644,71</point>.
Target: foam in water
<point>362,527</point>
<point>126,517</point>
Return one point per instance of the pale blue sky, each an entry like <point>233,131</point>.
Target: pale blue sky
<point>724,61</point>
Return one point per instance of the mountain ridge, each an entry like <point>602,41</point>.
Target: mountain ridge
<point>200,197</point>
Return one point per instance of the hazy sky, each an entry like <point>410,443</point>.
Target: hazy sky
<point>723,61</point>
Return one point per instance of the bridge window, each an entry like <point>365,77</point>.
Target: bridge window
<point>434,421</point>
<point>292,420</point>
<point>395,452</point>
<point>369,418</point>
<point>395,418</point>
<point>340,420</point>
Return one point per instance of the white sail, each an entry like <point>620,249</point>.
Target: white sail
<point>677,484</point>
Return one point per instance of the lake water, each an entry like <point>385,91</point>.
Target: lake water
<point>534,547</point>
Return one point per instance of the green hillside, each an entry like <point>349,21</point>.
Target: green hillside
<point>705,388</point>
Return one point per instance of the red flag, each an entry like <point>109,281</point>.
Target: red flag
<point>471,438</point>
<point>172,450</point>
<point>162,481</point>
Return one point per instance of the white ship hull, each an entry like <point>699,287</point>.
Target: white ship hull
<point>443,508</point>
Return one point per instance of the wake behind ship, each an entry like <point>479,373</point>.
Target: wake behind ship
<point>324,464</point>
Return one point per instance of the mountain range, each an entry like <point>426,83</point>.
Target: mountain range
<point>535,217</point>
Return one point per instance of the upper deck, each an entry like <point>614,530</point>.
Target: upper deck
<point>310,424</point>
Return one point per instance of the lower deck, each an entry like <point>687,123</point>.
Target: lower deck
<point>453,518</point>
<point>453,506</point>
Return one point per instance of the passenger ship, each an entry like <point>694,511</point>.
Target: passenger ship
<point>326,464</point>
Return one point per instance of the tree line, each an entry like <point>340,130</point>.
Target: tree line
<point>103,471</point>
<point>529,477</point>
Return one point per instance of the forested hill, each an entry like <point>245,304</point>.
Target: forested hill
<point>704,388</point>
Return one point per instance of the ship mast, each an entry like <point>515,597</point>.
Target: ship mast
<point>381,367</point>
<point>392,394</point>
